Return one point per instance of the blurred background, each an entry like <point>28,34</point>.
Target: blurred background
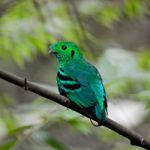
<point>114,35</point>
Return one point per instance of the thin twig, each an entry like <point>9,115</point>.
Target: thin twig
<point>135,139</point>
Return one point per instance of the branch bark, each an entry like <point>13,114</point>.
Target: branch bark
<point>135,139</point>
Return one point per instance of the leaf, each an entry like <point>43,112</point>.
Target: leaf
<point>19,130</point>
<point>144,60</point>
<point>56,144</point>
<point>80,125</point>
<point>134,8</point>
<point>148,104</point>
<point>9,120</point>
<point>16,55</point>
<point>109,14</point>
<point>21,10</point>
<point>8,145</point>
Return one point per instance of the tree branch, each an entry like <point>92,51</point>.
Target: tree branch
<point>134,138</point>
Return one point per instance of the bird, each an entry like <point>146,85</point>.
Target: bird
<point>79,80</point>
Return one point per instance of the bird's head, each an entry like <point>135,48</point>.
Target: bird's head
<point>65,51</point>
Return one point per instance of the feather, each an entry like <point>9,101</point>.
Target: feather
<point>79,80</point>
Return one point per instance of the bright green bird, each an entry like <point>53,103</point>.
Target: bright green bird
<point>79,80</point>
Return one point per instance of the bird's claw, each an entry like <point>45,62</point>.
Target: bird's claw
<point>95,125</point>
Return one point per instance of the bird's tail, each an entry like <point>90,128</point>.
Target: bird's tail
<point>100,112</point>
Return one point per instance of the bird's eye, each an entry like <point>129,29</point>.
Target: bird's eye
<point>64,47</point>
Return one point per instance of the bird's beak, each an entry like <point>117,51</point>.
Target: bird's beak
<point>50,51</point>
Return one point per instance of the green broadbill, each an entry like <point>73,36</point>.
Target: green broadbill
<point>79,80</point>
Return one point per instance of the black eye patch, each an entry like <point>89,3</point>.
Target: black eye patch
<point>72,53</point>
<point>64,47</point>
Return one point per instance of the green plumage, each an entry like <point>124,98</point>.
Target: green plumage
<point>79,80</point>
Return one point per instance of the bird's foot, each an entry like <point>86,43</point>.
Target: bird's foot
<point>95,124</point>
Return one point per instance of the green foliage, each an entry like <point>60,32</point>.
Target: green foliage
<point>126,86</point>
<point>19,130</point>
<point>22,34</point>
<point>22,10</point>
<point>6,114</point>
<point>8,145</point>
<point>55,144</point>
<point>134,8</point>
<point>144,60</point>
<point>148,103</point>
<point>80,125</point>
<point>75,121</point>
<point>9,121</point>
<point>61,11</point>
<point>109,14</point>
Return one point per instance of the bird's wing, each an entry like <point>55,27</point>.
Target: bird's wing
<point>87,89</point>
<point>66,83</point>
<point>73,82</point>
<point>87,76</point>
<point>81,71</point>
<point>100,93</point>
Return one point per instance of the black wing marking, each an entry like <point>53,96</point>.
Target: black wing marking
<point>63,86</point>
